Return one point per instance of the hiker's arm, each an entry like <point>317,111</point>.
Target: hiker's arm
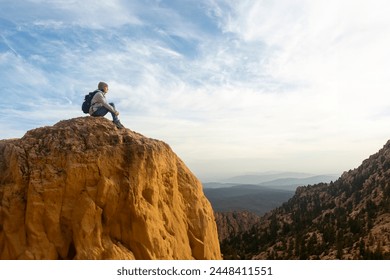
<point>103,102</point>
<point>110,108</point>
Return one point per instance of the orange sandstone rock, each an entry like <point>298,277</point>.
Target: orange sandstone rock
<point>83,189</point>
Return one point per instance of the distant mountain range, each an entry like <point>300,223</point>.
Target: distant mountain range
<point>293,183</point>
<point>235,194</point>
<point>281,180</point>
<point>259,178</point>
<point>253,198</point>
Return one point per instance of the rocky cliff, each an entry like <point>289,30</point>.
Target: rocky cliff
<point>232,223</point>
<point>82,189</point>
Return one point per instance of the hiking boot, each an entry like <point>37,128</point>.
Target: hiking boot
<point>118,124</point>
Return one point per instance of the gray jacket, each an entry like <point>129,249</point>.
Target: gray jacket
<point>99,100</point>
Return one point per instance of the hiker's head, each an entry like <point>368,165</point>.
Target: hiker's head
<point>103,87</point>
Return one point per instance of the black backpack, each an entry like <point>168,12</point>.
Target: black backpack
<point>87,101</point>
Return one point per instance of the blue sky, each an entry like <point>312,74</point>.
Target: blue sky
<point>232,86</point>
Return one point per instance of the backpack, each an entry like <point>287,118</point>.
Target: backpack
<point>87,101</point>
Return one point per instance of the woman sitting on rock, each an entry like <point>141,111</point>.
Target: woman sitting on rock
<point>100,107</point>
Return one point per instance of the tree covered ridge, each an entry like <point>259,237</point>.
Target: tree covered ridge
<point>345,219</point>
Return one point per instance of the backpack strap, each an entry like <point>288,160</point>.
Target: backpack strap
<point>93,95</point>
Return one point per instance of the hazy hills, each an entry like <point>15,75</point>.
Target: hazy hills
<point>280,180</point>
<point>252,198</point>
<point>235,194</point>
<point>268,177</point>
<point>293,183</point>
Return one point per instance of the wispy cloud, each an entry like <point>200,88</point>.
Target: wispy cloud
<point>94,14</point>
<point>261,83</point>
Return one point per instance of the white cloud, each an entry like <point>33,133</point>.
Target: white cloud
<point>335,49</point>
<point>16,71</point>
<point>287,83</point>
<point>94,14</point>
<point>328,64</point>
